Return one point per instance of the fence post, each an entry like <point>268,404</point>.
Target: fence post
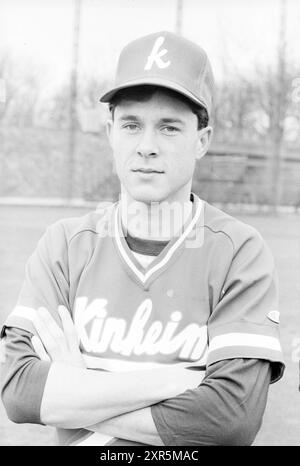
<point>70,165</point>
<point>179,12</point>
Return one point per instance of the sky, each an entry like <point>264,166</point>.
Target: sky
<point>237,34</point>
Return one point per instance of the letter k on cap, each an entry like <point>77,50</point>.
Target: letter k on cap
<point>156,55</point>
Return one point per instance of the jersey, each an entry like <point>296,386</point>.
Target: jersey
<point>210,295</point>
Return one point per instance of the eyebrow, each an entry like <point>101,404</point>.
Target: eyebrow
<point>128,117</point>
<point>162,120</point>
<point>172,120</point>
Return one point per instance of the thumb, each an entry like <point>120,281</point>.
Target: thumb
<point>39,348</point>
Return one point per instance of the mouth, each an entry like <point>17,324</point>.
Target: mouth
<point>147,170</point>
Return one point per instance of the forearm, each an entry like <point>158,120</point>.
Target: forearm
<point>137,426</point>
<point>66,396</point>
<point>23,377</point>
<point>226,409</point>
<point>75,397</point>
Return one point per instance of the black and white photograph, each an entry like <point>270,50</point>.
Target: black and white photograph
<point>149,225</point>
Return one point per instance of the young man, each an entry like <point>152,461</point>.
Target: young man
<point>169,303</point>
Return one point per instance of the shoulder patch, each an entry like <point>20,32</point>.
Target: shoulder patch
<point>274,316</point>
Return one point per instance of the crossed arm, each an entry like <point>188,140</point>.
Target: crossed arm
<point>115,404</point>
<point>226,409</point>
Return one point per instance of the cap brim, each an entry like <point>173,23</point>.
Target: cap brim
<point>157,82</point>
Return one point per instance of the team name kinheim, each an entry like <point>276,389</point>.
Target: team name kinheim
<point>113,333</point>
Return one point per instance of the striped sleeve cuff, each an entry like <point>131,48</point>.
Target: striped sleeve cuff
<point>24,316</point>
<point>260,344</point>
<point>21,317</point>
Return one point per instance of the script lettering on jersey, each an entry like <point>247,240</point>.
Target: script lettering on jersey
<point>100,332</point>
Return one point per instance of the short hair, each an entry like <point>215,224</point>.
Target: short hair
<point>144,92</point>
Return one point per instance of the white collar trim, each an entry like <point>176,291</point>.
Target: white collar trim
<point>143,277</point>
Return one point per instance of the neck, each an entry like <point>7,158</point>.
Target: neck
<point>155,220</point>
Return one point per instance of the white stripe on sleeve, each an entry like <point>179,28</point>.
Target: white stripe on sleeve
<point>244,339</point>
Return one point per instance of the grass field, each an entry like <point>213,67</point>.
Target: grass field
<point>21,227</point>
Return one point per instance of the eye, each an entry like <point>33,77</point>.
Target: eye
<point>131,127</point>
<point>170,130</point>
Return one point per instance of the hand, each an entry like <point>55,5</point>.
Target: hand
<point>181,379</point>
<point>193,377</point>
<point>190,379</point>
<point>54,343</point>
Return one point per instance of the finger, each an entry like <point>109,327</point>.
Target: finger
<point>69,328</point>
<point>39,348</point>
<point>52,347</point>
<point>53,328</point>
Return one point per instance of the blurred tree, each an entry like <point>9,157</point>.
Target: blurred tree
<point>5,71</point>
<point>274,93</point>
<point>53,110</point>
<point>233,115</point>
<point>24,81</point>
<point>91,113</point>
<point>73,127</point>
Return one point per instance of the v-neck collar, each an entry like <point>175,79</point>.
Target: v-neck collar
<point>144,275</point>
<point>144,246</point>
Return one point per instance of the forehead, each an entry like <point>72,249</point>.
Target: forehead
<point>159,103</point>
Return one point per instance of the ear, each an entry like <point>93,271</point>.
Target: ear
<point>204,138</point>
<point>109,130</point>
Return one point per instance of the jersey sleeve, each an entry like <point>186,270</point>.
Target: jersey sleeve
<point>23,377</point>
<point>46,281</point>
<point>22,384</point>
<point>245,321</point>
<point>226,409</point>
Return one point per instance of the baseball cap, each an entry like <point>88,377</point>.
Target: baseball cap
<point>167,60</point>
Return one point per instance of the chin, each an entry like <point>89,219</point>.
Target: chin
<point>148,195</point>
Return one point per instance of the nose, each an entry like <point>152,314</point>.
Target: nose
<point>147,146</point>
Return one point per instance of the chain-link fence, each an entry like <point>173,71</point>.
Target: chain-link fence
<point>34,163</point>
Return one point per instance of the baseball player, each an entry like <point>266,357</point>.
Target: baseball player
<point>152,320</point>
